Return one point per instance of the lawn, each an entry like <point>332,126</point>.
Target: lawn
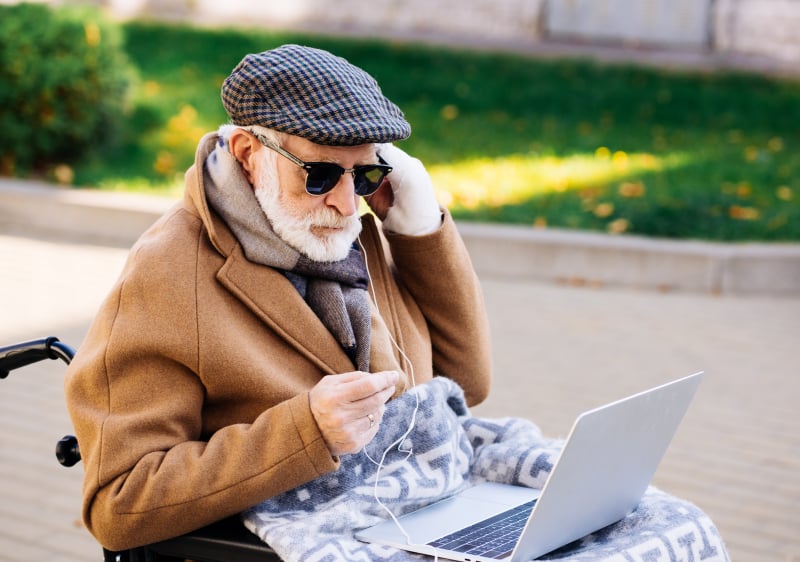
<point>508,138</point>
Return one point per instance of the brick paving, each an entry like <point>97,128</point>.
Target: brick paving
<point>558,350</point>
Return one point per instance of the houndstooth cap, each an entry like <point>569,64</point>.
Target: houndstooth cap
<point>312,94</point>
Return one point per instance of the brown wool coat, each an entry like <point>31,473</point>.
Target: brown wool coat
<point>189,395</point>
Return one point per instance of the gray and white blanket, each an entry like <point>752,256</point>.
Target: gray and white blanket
<point>448,450</point>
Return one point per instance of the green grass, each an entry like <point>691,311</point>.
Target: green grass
<point>507,138</point>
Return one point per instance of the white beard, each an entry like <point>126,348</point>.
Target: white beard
<point>295,228</point>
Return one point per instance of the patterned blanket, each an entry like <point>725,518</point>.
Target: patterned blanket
<point>447,450</point>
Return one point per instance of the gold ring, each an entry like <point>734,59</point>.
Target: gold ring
<point>371,419</point>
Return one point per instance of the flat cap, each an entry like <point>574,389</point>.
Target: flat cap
<point>312,94</point>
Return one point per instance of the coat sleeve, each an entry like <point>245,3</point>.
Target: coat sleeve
<point>437,271</point>
<point>136,402</point>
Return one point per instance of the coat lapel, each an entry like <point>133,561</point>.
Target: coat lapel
<point>269,295</point>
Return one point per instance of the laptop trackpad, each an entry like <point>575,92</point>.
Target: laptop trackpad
<point>441,518</point>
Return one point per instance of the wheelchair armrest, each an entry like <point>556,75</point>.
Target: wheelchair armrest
<point>225,541</point>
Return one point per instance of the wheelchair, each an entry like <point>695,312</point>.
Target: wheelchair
<point>224,541</point>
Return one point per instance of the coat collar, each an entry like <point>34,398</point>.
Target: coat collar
<point>270,296</point>
<point>195,198</point>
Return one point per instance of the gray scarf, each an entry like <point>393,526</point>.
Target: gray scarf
<point>335,291</point>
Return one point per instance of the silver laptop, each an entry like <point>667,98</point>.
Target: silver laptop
<point>605,467</point>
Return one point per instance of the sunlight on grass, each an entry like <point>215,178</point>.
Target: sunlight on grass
<point>513,179</point>
<point>170,188</point>
<point>170,149</point>
<point>604,148</point>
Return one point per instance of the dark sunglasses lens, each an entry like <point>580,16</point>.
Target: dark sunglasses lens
<point>368,179</point>
<point>322,178</point>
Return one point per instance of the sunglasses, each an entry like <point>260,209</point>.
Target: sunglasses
<point>321,177</point>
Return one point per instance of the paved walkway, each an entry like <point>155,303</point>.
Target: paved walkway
<point>558,350</point>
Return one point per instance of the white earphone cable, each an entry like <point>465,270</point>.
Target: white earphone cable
<point>398,443</point>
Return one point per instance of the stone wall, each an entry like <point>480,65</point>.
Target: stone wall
<point>478,18</point>
<point>759,27</point>
<point>763,28</point>
<point>675,23</point>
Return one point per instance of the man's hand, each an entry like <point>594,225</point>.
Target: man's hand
<point>405,202</point>
<point>348,408</point>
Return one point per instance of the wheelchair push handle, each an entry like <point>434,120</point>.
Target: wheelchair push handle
<point>26,353</point>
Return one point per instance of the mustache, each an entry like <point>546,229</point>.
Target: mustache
<point>328,218</point>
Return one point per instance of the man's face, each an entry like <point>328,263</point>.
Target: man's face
<point>323,227</point>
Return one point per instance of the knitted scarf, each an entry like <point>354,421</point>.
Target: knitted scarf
<point>335,291</point>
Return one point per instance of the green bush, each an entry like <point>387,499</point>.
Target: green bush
<point>64,78</point>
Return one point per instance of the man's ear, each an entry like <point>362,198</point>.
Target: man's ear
<point>244,147</point>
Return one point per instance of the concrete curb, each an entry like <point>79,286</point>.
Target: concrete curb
<point>602,260</point>
<point>498,251</point>
<point>116,219</point>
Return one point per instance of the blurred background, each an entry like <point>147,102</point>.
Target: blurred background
<point>742,27</point>
<point>674,119</point>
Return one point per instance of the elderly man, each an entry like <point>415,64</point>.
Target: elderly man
<point>260,326</point>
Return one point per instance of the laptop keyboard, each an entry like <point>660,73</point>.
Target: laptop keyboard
<point>494,537</point>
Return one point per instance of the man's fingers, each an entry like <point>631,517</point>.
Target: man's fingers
<point>357,385</point>
<point>371,384</point>
<point>348,408</point>
<point>357,396</point>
